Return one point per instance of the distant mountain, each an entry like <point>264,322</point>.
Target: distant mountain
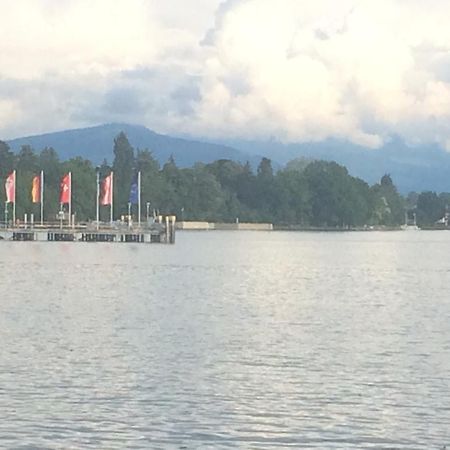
<point>96,144</point>
<point>411,168</point>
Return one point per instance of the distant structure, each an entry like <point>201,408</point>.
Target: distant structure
<point>410,220</point>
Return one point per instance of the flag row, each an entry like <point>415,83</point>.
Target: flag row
<point>65,192</point>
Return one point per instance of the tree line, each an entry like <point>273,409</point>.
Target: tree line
<point>305,193</point>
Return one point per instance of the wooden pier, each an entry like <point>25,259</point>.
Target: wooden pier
<point>161,231</point>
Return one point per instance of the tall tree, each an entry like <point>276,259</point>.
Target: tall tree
<point>265,199</point>
<point>83,187</point>
<point>430,208</point>
<point>123,167</point>
<point>389,206</point>
<point>50,164</point>
<point>171,186</point>
<point>151,180</point>
<point>337,199</point>
<point>27,167</point>
<point>27,160</point>
<point>7,162</point>
<point>293,205</point>
<point>246,186</point>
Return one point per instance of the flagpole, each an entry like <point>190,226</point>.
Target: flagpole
<point>42,198</point>
<point>139,198</point>
<point>98,195</point>
<point>70,198</point>
<point>14,204</point>
<point>112,195</point>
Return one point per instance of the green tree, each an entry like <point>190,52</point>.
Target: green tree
<point>228,173</point>
<point>7,162</point>
<point>27,167</point>
<point>389,206</point>
<point>27,160</point>
<point>171,187</point>
<point>50,164</point>
<point>337,199</point>
<point>203,197</point>
<point>83,188</point>
<point>150,179</point>
<point>123,167</point>
<point>298,164</point>
<point>430,208</point>
<point>246,191</point>
<point>293,198</point>
<point>265,190</point>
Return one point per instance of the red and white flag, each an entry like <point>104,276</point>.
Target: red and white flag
<point>65,192</point>
<point>10,187</point>
<point>106,195</point>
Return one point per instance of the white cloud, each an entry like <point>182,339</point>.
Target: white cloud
<point>295,70</point>
<point>351,69</point>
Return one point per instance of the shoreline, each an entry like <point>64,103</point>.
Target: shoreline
<point>258,226</point>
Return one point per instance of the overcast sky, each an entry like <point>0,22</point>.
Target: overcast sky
<point>293,70</point>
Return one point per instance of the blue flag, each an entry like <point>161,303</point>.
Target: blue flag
<point>133,199</point>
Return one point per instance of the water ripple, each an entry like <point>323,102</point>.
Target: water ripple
<point>225,340</point>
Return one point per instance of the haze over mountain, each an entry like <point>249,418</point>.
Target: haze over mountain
<point>412,168</point>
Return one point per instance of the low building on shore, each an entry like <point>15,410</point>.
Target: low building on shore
<point>202,226</point>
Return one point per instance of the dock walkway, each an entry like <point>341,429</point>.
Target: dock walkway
<point>156,232</point>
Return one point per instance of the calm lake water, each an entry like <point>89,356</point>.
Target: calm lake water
<point>227,340</point>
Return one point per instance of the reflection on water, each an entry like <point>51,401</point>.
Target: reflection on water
<point>227,339</point>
